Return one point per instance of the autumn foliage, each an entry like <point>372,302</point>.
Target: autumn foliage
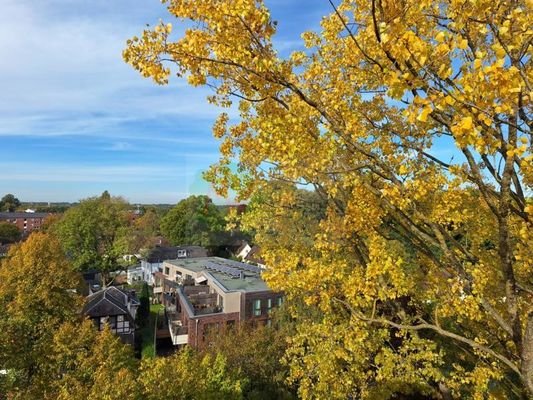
<point>421,266</point>
<point>48,351</point>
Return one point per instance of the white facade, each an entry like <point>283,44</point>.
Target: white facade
<point>143,272</point>
<point>244,251</point>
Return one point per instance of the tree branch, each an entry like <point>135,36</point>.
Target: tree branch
<point>426,326</point>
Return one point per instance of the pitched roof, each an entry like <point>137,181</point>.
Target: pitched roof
<point>235,244</point>
<point>108,301</point>
<point>242,247</point>
<point>255,255</point>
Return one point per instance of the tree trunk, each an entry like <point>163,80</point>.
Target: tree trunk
<point>527,356</point>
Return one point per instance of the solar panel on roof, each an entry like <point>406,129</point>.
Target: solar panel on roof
<point>233,272</point>
<point>249,267</point>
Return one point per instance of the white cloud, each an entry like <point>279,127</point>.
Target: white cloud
<point>62,72</point>
<point>90,173</point>
<point>65,85</point>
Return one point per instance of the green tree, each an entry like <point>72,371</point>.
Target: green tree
<point>296,227</point>
<point>90,365</point>
<point>37,295</point>
<point>257,358</point>
<point>94,233</point>
<point>9,233</point>
<point>189,376</point>
<point>9,203</point>
<point>143,312</point>
<point>194,221</point>
<point>49,222</point>
<point>144,230</point>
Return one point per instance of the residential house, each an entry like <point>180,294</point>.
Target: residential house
<point>249,254</point>
<point>116,308</point>
<point>243,250</point>
<point>153,262</point>
<point>254,257</point>
<point>27,222</point>
<point>209,295</point>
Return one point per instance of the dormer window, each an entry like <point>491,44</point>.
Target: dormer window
<point>182,253</point>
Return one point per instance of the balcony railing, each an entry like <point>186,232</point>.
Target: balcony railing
<point>178,333</point>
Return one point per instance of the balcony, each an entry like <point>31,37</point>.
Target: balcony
<point>201,301</point>
<point>178,333</point>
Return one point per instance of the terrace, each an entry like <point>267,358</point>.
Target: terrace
<point>196,301</point>
<point>201,300</point>
<point>178,332</point>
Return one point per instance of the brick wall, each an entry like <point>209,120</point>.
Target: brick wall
<point>248,306</point>
<point>27,224</point>
<point>211,324</point>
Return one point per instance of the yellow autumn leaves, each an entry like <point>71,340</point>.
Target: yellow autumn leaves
<point>411,124</point>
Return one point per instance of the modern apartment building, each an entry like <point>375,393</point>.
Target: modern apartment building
<point>208,295</point>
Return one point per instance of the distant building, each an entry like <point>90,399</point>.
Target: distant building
<point>243,250</point>
<point>236,246</point>
<point>134,214</point>
<point>249,254</point>
<point>26,221</point>
<point>153,262</point>
<point>209,295</point>
<point>116,308</point>
<point>93,280</point>
<point>254,257</point>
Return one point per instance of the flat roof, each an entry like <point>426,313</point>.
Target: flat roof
<point>9,215</point>
<point>252,281</point>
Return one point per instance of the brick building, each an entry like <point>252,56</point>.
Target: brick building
<point>207,295</point>
<point>26,221</point>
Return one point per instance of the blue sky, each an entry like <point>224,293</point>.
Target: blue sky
<point>76,120</point>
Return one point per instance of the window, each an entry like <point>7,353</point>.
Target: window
<point>123,326</point>
<point>280,300</point>
<point>182,253</point>
<point>167,271</point>
<point>269,305</point>
<point>257,307</point>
